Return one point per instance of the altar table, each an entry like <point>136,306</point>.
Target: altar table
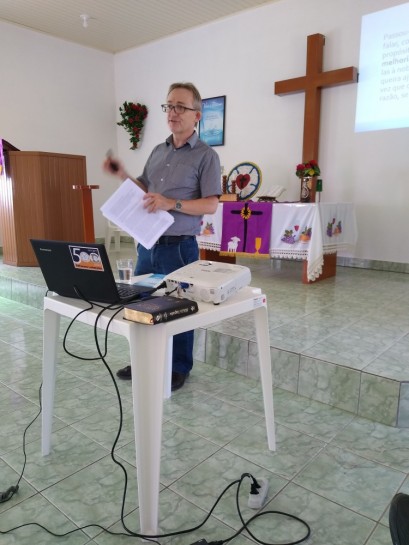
<point>303,231</point>
<point>149,351</point>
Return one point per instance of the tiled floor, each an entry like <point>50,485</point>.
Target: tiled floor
<point>334,469</point>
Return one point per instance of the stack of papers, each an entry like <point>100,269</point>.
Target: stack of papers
<point>125,209</point>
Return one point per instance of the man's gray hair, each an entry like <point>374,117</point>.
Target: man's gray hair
<point>197,99</point>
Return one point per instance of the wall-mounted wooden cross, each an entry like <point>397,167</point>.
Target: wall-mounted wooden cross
<point>312,83</point>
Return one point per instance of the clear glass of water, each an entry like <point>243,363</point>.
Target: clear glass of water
<point>125,269</point>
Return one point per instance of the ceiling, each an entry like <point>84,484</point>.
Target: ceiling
<point>116,25</point>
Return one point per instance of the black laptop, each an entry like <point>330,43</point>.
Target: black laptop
<point>83,271</point>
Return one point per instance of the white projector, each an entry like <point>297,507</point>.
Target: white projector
<point>208,281</point>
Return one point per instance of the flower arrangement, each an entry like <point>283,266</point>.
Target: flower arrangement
<point>133,116</point>
<point>310,168</point>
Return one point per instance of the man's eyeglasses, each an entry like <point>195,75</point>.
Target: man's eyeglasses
<point>178,108</point>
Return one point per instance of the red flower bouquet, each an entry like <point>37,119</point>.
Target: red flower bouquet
<point>133,116</point>
<point>310,168</point>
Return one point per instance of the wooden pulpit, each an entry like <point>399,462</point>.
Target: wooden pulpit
<point>86,206</point>
<point>37,200</point>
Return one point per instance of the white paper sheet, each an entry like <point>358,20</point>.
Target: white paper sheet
<point>125,209</point>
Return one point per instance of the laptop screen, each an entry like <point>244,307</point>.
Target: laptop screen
<point>80,270</point>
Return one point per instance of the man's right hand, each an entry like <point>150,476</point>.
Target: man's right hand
<point>111,165</point>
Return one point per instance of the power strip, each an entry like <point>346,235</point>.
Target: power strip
<point>257,500</point>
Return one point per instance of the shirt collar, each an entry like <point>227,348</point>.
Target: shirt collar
<point>192,141</point>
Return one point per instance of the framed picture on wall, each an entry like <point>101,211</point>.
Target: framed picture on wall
<point>211,125</point>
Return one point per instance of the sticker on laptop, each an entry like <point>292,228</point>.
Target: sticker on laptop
<point>84,257</point>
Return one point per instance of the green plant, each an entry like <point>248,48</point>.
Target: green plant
<point>133,117</point>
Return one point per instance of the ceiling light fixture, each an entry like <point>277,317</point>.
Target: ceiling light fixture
<point>85,18</point>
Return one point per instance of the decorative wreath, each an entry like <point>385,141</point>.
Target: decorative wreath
<point>244,180</point>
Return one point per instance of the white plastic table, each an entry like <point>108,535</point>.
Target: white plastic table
<point>150,348</point>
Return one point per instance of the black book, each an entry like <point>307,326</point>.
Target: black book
<point>156,310</point>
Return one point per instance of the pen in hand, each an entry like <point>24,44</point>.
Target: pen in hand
<point>113,165</point>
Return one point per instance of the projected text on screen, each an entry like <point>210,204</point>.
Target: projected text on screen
<point>383,88</point>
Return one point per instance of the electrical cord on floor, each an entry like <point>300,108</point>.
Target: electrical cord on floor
<point>264,513</point>
<point>189,530</point>
<point>152,538</point>
<point>9,493</point>
<point>11,490</point>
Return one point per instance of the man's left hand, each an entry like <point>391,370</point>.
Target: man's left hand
<point>156,201</point>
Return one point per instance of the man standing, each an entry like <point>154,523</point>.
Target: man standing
<point>182,176</point>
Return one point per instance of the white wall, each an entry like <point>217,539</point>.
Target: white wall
<point>241,57</point>
<point>58,97</point>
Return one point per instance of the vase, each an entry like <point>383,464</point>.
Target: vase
<point>308,188</point>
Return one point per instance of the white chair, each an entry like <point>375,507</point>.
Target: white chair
<point>112,230</point>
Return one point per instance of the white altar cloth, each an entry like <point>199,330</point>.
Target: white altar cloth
<point>304,231</point>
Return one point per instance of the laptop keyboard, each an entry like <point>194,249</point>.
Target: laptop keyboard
<point>127,291</point>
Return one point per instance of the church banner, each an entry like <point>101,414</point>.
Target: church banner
<point>246,228</point>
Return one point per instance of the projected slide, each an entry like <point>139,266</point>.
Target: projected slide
<point>383,88</point>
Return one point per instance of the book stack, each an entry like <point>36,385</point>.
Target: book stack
<point>156,310</point>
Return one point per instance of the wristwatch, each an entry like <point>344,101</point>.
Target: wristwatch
<point>178,205</point>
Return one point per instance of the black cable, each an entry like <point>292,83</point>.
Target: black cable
<point>180,532</point>
<point>115,460</point>
<point>161,286</point>
<point>121,414</point>
<point>64,342</point>
<point>38,525</point>
<point>288,515</point>
<point>170,292</point>
<point>130,532</point>
<point>9,493</point>
<point>91,306</point>
<point>254,517</point>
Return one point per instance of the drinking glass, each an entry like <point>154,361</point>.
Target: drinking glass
<point>125,269</point>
